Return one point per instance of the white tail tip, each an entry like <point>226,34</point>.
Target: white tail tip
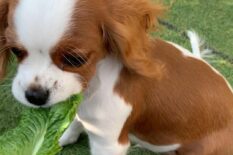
<point>196,44</point>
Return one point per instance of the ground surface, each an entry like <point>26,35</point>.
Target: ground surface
<point>212,19</point>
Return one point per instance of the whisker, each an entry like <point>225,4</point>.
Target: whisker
<point>74,50</point>
<point>68,60</point>
<point>77,58</point>
<point>84,81</point>
<point>82,57</point>
<point>87,70</point>
<point>85,60</point>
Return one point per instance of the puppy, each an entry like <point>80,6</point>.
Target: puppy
<point>136,88</point>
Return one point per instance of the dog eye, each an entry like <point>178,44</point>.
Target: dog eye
<point>73,60</point>
<point>18,53</point>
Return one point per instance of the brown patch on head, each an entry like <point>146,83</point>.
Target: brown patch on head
<point>73,58</point>
<point>81,47</point>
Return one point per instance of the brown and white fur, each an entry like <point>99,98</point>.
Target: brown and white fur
<point>136,88</point>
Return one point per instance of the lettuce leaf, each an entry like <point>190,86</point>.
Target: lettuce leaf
<point>39,130</point>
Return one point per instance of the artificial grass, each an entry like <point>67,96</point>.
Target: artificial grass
<point>212,19</point>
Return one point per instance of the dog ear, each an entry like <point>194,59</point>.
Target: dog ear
<point>150,16</point>
<point>4,53</point>
<point>125,34</point>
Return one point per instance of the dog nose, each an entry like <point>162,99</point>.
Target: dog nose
<point>37,96</point>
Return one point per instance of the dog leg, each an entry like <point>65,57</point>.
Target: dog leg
<point>102,146</point>
<point>71,135</point>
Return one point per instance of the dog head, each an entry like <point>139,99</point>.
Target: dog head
<point>59,43</point>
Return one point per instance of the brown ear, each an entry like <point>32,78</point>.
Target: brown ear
<point>4,54</point>
<point>125,34</point>
<point>150,13</point>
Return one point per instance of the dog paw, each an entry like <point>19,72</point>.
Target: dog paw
<point>68,138</point>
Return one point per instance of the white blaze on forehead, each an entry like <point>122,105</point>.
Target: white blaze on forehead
<point>41,23</point>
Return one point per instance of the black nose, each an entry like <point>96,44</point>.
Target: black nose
<point>37,96</point>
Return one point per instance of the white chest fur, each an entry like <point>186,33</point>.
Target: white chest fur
<point>103,112</point>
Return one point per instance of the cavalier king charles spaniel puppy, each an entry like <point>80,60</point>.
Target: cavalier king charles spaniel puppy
<point>136,88</point>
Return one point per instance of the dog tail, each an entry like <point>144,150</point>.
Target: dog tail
<point>197,45</point>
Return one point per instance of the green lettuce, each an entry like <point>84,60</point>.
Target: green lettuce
<point>39,130</point>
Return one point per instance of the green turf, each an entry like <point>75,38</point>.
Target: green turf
<point>212,19</point>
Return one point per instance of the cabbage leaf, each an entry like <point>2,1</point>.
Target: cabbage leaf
<point>39,130</point>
